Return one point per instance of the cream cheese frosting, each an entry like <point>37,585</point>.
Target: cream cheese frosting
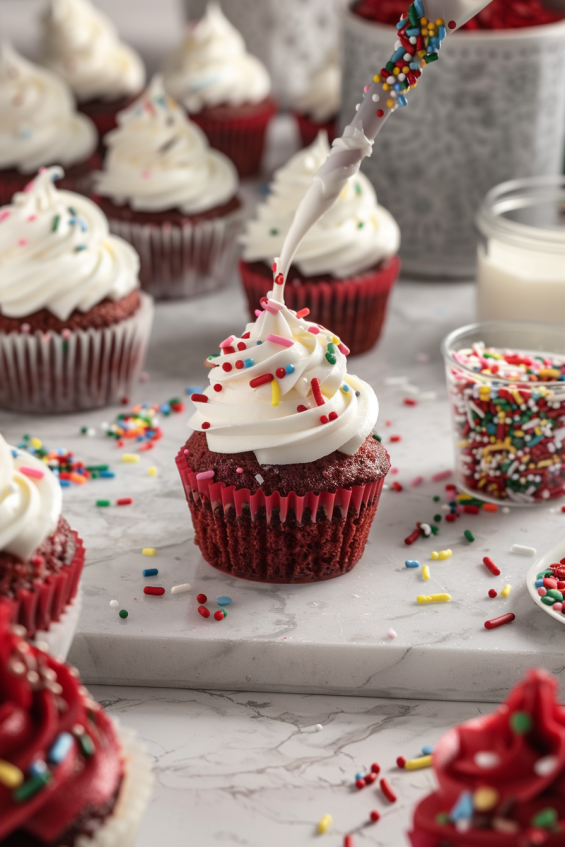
<point>82,45</point>
<point>30,501</point>
<point>159,160</point>
<point>56,253</point>
<point>282,391</point>
<point>352,236</point>
<point>38,121</point>
<point>322,98</point>
<point>212,67</point>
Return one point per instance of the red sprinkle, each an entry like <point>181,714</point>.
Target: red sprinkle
<point>261,380</point>
<point>409,401</point>
<point>218,386</point>
<point>198,398</point>
<point>303,313</point>
<point>348,841</point>
<point>401,761</point>
<point>492,593</point>
<point>380,113</point>
<point>274,267</point>
<point>396,486</point>
<point>239,364</point>
<point>246,334</point>
<point>241,345</point>
<point>333,416</point>
<point>206,425</point>
<point>324,419</point>
<point>450,518</point>
<point>375,816</point>
<point>395,438</point>
<point>359,784</point>
<point>202,610</point>
<point>387,791</point>
<point>201,598</point>
<point>153,589</point>
<point>471,510</point>
<point>301,408</point>
<point>491,566</point>
<point>375,768</point>
<point>451,24</point>
<point>370,778</point>
<point>279,279</point>
<point>414,536</point>
<point>280,372</point>
<point>496,622</point>
<point>219,615</point>
<point>226,367</point>
<point>124,501</point>
<point>317,391</point>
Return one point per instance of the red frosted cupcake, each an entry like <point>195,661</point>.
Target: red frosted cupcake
<point>225,90</point>
<point>345,267</point>
<point>282,474</point>
<point>172,197</point>
<point>83,47</point>
<point>39,126</point>
<point>41,558</point>
<point>318,108</point>
<point>501,776</point>
<point>74,326</point>
<point>70,777</point>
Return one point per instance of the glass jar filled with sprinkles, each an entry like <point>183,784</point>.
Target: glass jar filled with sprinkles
<point>506,386</point>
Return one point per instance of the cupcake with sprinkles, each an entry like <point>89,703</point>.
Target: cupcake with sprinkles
<point>166,192</point>
<point>82,46</point>
<point>282,473</point>
<point>69,776</point>
<point>225,90</point>
<point>73,324</point>
<point>41,557</point>
<point>318,108</point>
<point>347,263</point>
<point>39,126</point>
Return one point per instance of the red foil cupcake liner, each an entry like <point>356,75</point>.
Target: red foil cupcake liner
<point>85,370</point>
<point>183,260</point>
<point>39,607</point>
<point>309,129</point>
<point>355,308</point>
<point>278,538</point>
<point>77,178</point>
<point>241,138</point>
<point>103,113</point>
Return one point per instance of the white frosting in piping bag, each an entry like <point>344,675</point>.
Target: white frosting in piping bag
<point>212,67</point>
<point>56,253</point>
<point>322,98</point>
<point>82,45</point>
<point>160,160</point>
<point>351,237</point>
<point>38,121</point>
<point>30,503</point>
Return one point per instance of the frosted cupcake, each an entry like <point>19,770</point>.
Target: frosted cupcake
<point>73,324</point>
<point>171,196</point>
<point>282,473</point>
<point>70,776</point>
<point>225,90</point>
<point>83,47</point>
<point>39,126</point>
<point>318,108</point>
<point>41,557</point>
<point>346,265</point>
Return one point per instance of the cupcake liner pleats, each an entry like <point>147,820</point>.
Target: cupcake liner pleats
<point>309,129</point>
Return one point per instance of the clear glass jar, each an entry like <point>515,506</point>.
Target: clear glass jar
<point>509,435</point>
<point>521,254</point>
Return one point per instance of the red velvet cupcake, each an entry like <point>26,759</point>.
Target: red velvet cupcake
<point>224,89</point>
<point>282,474</point>
<point>70,777</point>
<point>318,108</point>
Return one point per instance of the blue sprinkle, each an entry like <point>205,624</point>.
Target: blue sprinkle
<point>398,54</point>
<point>539,583</point>
<point>397,87</point>
<point>259,341</point>
<point>14,453</point>
<point>150,571</point>
<point>224,601</point>
<point>357,393</point>
<point>414,65</point>
<point>289,369</point>
<point>401,23</point>
<point>65,483</point>
<point>401,100</point>
<point>419,6</point>
<point>194,389</point>
<point>61,748</point>
<point>345,387</point>
<point>359,776</point>
<point>248,363</point>
<point>413,30</point>
<point>441,33</point>
<point>37,768</point>
<point>427,750</point>
<point>165,409</point>
<point>430,49</point>
<point>463,808</point>
<point>434,42</point>
<point>107,474</point>
<point>412,563</point>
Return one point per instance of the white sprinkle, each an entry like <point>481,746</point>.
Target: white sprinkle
<point>357,106</point>
<point>114,604</point>
<point>391,633</point>
<point>396,380</point>
<point>428,395</point>
<point>523,551</point>
<point>375,98</point>
<point>486,759</point>
<point>318,727</point>
<point>41,645</point>
<point>91,432</point>
<point>180,589</point>
<point>546,765</point>
<point>259,478</point>
<point>505,510</point>
<point>426,529</point>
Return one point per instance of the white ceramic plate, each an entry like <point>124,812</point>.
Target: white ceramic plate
<point>554,555</point>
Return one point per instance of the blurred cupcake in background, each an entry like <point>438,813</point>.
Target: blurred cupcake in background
<point>318,108</point>
<point>166,192</point>
<point>83,47</point>
<point>225,90</point>
<point>39,126</point>
<point>346,265</point>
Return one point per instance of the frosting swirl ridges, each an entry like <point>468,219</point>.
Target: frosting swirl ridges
<point>56,253</point>
<point>322,98</point>
<point>160,160</point>
<point>38,121</point>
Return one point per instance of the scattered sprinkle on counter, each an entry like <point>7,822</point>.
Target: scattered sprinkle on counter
<point>522,550</point>
<point>155,590</point>
<point>130,458</point>
<point>181,589</point>
<point>150,571</point>
<point>420,762</point>
<point>494,623</point>
<point>123,613</point>
<point>433,598</point>
<point>148,551</point>
<point>114,604</point>
<point>325,824</point>
<point>391,633</point>
<point>506,591</point>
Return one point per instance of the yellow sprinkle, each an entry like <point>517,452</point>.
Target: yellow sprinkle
<point>325,824</point>
<point>148,551</point>
<point>386,86</point>
<point>423,20</point>
<point>420,762</point>
<point>396,71</point>
<point>463,497</point>
<point>275,393</point>
<point>336,340</point>
<point>152,471</point>
<point>506,591</point>
<point>426,572</point>
<point>130,457</point>
<point>390,103</point>
<point>544,463</point>
<point>10,775</point>
<point>485,798</point>
<point>462,443</point>
<point>435,556</point>
<point>433,598</point>
<point>440,22</point>
<point>445,554</point>
<point>549,373</point>
<point>37,443</point>
<point>377,78</point>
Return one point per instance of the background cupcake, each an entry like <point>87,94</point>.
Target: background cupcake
<point>318,108</point>
<point>82,46</point>
<point>73,324</point>
<point>282,474</point>
<point>41,557</point>
<point>345,267</point>
<point>173,198</point>
<point>39,126</point>
<point>225,90</point>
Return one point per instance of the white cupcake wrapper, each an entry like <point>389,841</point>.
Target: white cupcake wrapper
<point>121,827</point>
<point>89,369</point>
<point>60,634</point>
<point>183,261</point>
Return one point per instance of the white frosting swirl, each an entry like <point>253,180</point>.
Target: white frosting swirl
<point>351,237</point>
<point>30,504</point>
<point>159,160</point>
<point>82,45</point>
<point>56,253</point>
<point>212,67</point>
<point>266,419</point>
<point>38,121</point>
<point>322,98</point>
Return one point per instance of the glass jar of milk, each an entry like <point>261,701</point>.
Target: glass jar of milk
<point>521,254</point>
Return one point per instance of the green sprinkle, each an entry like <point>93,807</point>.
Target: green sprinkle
<point>83,430</point>
<point>437,498</point>
<point>557,595</point>
<point>30,788</point>
<point>357,188</point>
<point>123,613</point>
<point>442,817</point>
<point>469,535</point>
<point>86,743</point>
<point>331,348</point>
<point>174,401</point>
<point>103,503</point>
<point>331,359</point>
<point>434,529</point>
<point>360,225</point>
<point>55,224</point>
<point>377,437</point>
<point>273,232</point>
<point>80,247</point>
<point>414,19</point>
<point>95,467</point>
<point>389,66</point>
<point>437,518</point>
<point>431,57</point>
<point>545,818</point>
<point>213,356</point>
<point>521,722</point>
<point>547,600</point>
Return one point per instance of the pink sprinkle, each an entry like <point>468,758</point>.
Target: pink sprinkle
<point>42,169</point>
<point>418,480</point>
<point>47,338</point>
<point>28,187</point>
<point>366,88</point>
<point>227,342</point>
<point>274,304</point>
<point>343,348</point>
<point>146,174</point>
<point>437,477</point>
<point>314,330</point>
<point>557,607</point>
<point>66,333</point>
<point>186,451</point>
<point>542,591</point>
<point>278,339</point>
<point>25,328</point>
<point>34,473</point>
<point>32,218</point>
<point>258,313</point>
<point>393,470</point>
<point>239,470</point>
<point>205,475</point>
<point>22,242</point>
<point>5,214</point>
